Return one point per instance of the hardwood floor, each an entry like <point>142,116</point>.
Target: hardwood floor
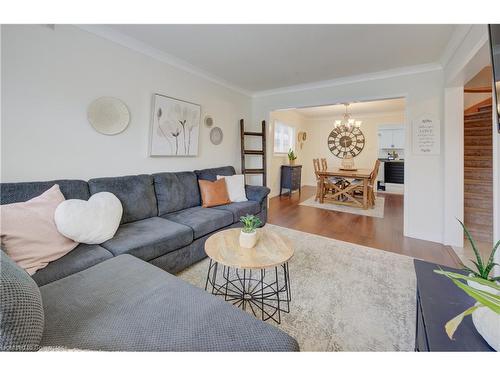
<point>384,234</point>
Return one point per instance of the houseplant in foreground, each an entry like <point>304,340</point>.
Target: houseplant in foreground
<point>482,268</point>
<point>482,287</point>
<point>248,234</point>
<point>485,313</point>
<point>291,157</point>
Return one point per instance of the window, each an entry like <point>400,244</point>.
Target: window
<point>284,138</point>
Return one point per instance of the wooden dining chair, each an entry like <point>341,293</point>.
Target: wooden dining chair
<point>372,185</point>
<point>324,164</point>
<point>317,169</point>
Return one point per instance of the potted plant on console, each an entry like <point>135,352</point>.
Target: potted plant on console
<point>248,235</point>
<point>291,157</point>
<point>484,289</point>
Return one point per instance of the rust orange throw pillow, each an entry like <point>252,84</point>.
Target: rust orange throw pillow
<point>213,193</point>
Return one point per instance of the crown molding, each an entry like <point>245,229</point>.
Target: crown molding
<point>363,116</point>
<point>138,46</point>
<point>457,37</point>
<point>409,70</point>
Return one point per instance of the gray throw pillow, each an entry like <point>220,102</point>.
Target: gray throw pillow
<point>21,310</point>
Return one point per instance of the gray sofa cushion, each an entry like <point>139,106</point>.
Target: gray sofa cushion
<point>21,311</point>
<point>135,192</point>
<point>149,238</point>
<point>239,209</point>
<point>124,304</point>
<point>176,191</point>
<point>23,191</point>
<point>256,193</point>
<point>81,257</point>
<point>210,174</point>
<point>201,220</point>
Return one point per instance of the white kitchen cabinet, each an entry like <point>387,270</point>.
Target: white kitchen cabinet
<point>398,138</point>
<point>391,138</point>
<point>385,138</point>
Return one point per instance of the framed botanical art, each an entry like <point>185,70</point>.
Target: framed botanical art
<point>175,127</point>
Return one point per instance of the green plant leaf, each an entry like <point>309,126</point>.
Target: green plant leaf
<point>490,300</point>
<point>452,325</point>
<point>491,259</point>
<point>479,280</point>
<point>474,247</point>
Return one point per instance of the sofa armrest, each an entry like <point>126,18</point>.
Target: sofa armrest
<point>256,193</point>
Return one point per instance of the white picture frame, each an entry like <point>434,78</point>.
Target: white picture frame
<point>426,137</point>
<point>175,127</point>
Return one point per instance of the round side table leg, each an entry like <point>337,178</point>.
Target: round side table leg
<point>208,274</point>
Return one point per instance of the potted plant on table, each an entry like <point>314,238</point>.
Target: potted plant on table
<point>248,234</point>
<point>484,289</point>
<point>291,157</point>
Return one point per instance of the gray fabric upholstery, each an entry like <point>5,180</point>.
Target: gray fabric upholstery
<point>81,257</point>
<point>124,304</point>
<point>176,191</point>
<point>180,259</point>
<point>210,174</point>
<point>22,191</point>
<point>239,209</point>
<point>135,192</point>
<point>149,238</point>
<point>256,193</point>
<point>201,220</point>
<point>21,311</point>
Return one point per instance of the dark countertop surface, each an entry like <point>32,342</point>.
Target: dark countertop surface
<point>391,160</point>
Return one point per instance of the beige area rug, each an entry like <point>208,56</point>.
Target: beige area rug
<point>345,297</point>
<point>377,211</point>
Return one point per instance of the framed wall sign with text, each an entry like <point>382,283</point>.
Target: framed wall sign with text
<point>426,134</point>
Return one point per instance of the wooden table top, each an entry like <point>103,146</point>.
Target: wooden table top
<point>337,172</point>
<point>271,250</point>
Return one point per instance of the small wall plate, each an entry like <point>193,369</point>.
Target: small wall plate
<point>216,136</point>
<point>208,121</point>
<point>108,115</point>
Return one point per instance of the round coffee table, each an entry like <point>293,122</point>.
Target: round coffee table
<point>256,279</point>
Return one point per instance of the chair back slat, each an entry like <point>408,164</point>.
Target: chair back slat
<point>374,174</point>
<point>324,165</point>
<point>316,166</point>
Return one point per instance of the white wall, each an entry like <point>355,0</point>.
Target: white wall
<point>50,76</point>
<point>423,174</point>
<point>318,130</point>
<point>296,121</point>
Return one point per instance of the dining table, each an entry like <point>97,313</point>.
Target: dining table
<point>361,174</point>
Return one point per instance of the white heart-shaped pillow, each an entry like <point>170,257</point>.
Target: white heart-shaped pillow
<point>92,222</point>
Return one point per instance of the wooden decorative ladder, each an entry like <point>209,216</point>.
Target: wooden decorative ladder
<point>478,172</point>
<point>262,152</point>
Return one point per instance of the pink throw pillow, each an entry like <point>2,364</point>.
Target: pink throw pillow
<point>29,234</point>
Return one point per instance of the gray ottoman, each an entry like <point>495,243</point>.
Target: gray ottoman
<point>125,304</point>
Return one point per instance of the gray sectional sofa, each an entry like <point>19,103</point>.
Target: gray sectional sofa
<point>107,297</point>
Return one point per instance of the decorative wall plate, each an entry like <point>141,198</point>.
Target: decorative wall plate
<point>344,140</point>
<point>216,136</point>
<point>208,121</point>
<point>108,115</point>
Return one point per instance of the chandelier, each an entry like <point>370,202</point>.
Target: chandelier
<point>347,122</point>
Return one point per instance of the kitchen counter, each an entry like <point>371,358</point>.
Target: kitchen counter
<point>392,160</point>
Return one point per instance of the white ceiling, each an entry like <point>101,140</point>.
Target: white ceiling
<point>356,109</point>
<point>256,58</point>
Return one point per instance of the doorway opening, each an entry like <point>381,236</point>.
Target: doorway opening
<point>381,134</point>
<point>478,162</point>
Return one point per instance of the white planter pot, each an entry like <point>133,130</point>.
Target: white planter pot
<point>248,240</point>
<point>486,321</point>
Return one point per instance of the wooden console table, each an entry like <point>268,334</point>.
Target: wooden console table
<point>439,300</point>
<point>290,178</point>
